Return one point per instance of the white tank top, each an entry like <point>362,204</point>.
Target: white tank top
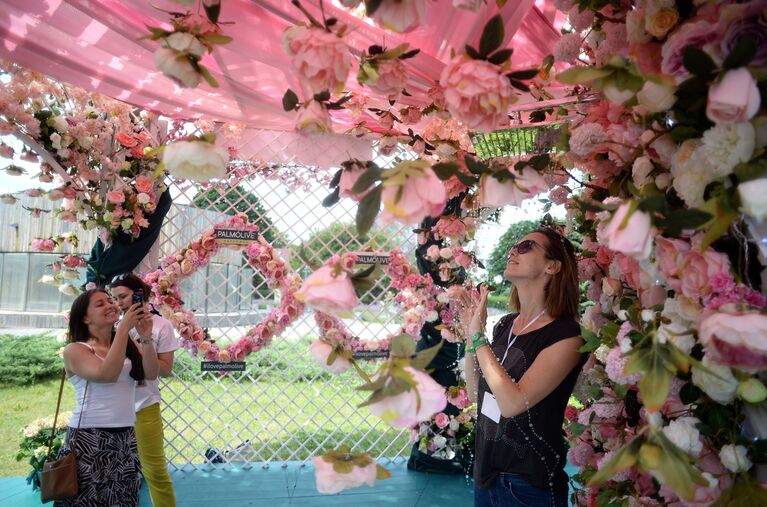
<point>107,405</point>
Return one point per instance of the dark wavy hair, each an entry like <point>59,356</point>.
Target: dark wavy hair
<point>561,294</point>
<point>78,332</point>
<point>132,282</point>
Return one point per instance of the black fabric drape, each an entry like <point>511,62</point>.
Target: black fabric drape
<point>126,252</point>
<point>446,360</point>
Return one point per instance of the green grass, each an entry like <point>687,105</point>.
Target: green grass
<point>282,418</point>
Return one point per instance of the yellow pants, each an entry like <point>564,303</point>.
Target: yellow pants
<point>150,450</point>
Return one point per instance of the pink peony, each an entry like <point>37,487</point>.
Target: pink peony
<point>43,245</point>
<point>699,269</point>
<point>321,58</point>
<point>331,482</point>
<point>736,340</point>
<point>524,185</point>
<point>400,15</point>
<point>392,78</point>
<point>477,94</point>
<point>734,99</point>
<point>411,407</point>
<point>320,351</point>
<point>632,235</point>
<point>421,194</point>
<point>670,254</point>
<point>329,293</point>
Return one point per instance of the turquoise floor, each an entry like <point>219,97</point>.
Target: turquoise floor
<point>290,486</point>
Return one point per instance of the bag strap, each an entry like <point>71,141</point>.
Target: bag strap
<point>79,419</point>
<point>58,405</point>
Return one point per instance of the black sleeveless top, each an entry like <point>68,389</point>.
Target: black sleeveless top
<point>531,444</point>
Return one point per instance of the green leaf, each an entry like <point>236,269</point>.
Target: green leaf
<point>371,6</point>
<point>742,54</point>
<point>747,172</point>
<point>333,198</point>
<point>654,203</point>
<point>592,341</point>
<point>501,56</point>
<point>675,469</point>
<point>445,170</point>
<point>689,393</point>
<point>697,61</point>
<point>580,75</point>
<point>207,76</point>
<point>576,429</point>
<point>402,346</point>
<point>656,380</point>
<point>382,473</point>
<point>540,162</point>
<point>624,458</point>
<point>681,133</point>
<point>368,209</point>
<point>473,53</point>
<point>336,179</point>
<point>322,96</point>
<point>742,494</point>
<point>523,74</point>
<point>492,36</point>
<point>370,176</point>
<point>723,218</point>
<point>467,180</point>
<point>475,166</point>
<point>212,11</point>
<point>425,357</point>
<point>289,100</point>
<point>684,219</point>
<point>519,85</point>
<point>216,38</point>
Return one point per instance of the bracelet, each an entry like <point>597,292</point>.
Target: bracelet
<point>477,344</point>
<point>477,336</point>
<point>145,342</point>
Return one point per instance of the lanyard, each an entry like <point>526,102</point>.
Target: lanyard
<point>511,341</point>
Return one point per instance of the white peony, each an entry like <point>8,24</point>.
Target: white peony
<point>195,160</point>
<point>683,433</point>
<point>735,458</point>
<point>753,198</point>
<point>177,66</point>
<point>184,42</point>
<point>725,146</point>
<point>721,386</point>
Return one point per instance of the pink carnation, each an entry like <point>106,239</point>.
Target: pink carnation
<point>477,94</point>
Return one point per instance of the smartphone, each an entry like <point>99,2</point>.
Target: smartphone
<point>138,297</point>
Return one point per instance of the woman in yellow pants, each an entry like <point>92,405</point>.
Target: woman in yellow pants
<point>149,428</point>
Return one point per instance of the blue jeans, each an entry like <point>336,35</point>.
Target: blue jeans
<point>511,490</point>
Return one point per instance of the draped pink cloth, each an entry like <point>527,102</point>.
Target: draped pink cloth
<point>95,44</point>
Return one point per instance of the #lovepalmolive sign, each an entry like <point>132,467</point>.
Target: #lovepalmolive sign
<point>222,366</point>
<point>235,236</point>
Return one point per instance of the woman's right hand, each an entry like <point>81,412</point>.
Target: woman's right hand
<point>131,317</point>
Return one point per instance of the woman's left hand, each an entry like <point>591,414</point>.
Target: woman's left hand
<point>144,326</point>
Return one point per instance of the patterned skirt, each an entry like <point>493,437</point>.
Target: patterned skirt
<point>107,467</point>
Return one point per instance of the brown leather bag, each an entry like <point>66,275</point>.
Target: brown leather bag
<point>58,480</point>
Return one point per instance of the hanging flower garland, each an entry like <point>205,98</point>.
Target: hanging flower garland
<point>261,256</point>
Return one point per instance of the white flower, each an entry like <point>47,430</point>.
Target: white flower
<point>195,160</point>
<point>690,173</point>
<point>640,171</point>
<point>721,386</point>
<point>143,198</point>
<point>313,119</point>
<point>735,458</point>
<point>587,137</point>
<point>657,97</point>
<point>184,42</point>
<point>683,433</point>
<point>55,141</point>
<point>85,142</point>
<point>60,124</point>
<point>753,198</point>
<point>675,333</point>
<point>439,441</point>
<point>69,289</point>
<point>48,279</point>
<point>725,146</point>
<point>70,274</point>
<point>601,353</point>
<point>177,66</point>
<point>321,351</point>
<point>41,452</point>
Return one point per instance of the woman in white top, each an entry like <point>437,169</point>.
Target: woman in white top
<point>149,427</point>
<point>104,365</point>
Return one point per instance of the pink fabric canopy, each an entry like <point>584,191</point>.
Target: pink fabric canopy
<point>95,44</point>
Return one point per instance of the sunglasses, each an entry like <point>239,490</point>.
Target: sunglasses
<point>523,247</point>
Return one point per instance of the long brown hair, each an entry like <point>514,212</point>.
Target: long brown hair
<point>78,332</point>
<point>561,294</point>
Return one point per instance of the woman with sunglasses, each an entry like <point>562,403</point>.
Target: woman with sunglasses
<point>104,366</point>
<point>125,289</point>
<point>523,378</point>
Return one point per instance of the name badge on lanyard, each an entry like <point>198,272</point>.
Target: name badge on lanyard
<point>490,407</point>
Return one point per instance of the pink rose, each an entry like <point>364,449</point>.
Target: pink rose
<point>116,197</point>
<point>144,184</point>
<point>43,245</point>
<point>126,139</point>
<point>349,177</point>
<point>523,185</point>
<point>330,482</point>
<point>421,194</point>
<point>460,400</point>
<point>699,269</point>
<point>736,340</point>
<point>670,253</point>
<point>697,34</point>
<point>411,407</point>
<point>321,350</point>
<point>441,420</point>
<point>632,235</point>
<point>400,15</point>
<point>328,293</point>
<point>392,78</point>
<point>477,94</point>
<point>321,58</point>
<point>734,99</point>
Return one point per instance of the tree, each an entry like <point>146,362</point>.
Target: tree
<point>498,259</point>
<point>240,200</point>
